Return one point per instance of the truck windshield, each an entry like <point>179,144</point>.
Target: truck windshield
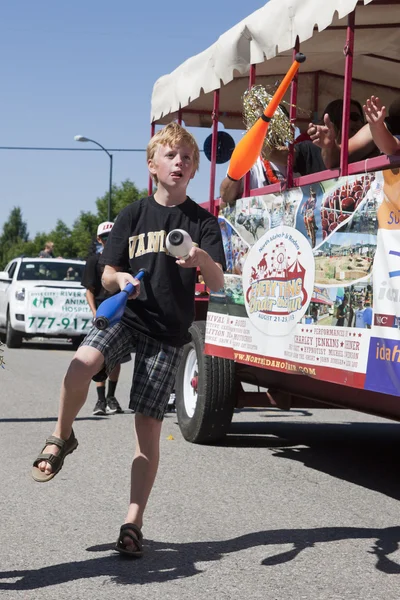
<point>50,271</point>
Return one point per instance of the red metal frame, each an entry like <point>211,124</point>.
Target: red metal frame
<point>292,117</point>
<point>348,72</point>
<point>214,141</point>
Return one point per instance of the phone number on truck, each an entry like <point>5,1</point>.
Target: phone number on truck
<point>54,323</point>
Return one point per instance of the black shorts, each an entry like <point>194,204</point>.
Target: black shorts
<point>156,364</point>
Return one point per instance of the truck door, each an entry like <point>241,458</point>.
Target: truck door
<point>4,288</point>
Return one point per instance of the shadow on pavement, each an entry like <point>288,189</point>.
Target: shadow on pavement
<point>45,345</point>
<point>363,453</point>
<point>268,413</point>
<point>166,562</point>
<point>50,419</point>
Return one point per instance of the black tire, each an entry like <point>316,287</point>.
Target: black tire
<point>13,338</point>
<point>207,418</point>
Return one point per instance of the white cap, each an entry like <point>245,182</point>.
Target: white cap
<point>104,228</point>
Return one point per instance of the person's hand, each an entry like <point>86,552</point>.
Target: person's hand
<point>323,136</point>
<point>194,260</point>
<point>375,113</point>
<point>122,279</point>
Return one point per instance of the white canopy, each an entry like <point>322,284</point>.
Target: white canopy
<point>266,38</point>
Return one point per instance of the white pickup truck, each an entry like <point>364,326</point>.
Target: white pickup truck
<point>43,297</point>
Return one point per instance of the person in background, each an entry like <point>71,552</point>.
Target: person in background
<point>341,313</point>
<point>265,171</point>
<point>95,294</point>
<point>368,142</point>
<point>71,275</point>
<point>48,251</point>
<point>368,312</point>
<point>359,316</point>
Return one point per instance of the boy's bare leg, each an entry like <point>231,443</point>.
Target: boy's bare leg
<point>86,363</point>
<point>144,469</point>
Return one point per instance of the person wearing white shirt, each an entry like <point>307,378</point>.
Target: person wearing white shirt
<point>359,316</point>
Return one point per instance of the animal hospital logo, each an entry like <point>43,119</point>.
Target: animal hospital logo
<point>42,302</point>
<point>278,280</point>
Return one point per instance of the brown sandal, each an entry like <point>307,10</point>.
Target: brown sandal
<point>133,532</point>
<point>56,460</point>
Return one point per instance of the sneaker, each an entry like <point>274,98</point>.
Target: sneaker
<point>113,406</point>
<point>100,408</point>
<point>171,404</point>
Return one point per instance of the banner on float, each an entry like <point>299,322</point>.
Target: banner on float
<point>313,282</point>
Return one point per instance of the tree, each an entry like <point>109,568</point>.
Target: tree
<point>62,238</point>
<point>122,195</point>
<point>83,233</point>
<point>68,243</point>
<point>14,236</point>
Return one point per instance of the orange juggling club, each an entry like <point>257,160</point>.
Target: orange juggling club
<point>249,148</point>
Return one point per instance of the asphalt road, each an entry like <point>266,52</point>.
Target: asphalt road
<point>300,505</point>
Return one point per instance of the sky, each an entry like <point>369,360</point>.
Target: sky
<point>88,67</point>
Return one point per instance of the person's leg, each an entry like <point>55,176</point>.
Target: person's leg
<point>100,406</point>
<point>113,378</point>
<point>153,380</point>
<point>112,404</point>
<point>144,469</point>
<point>87,362</point>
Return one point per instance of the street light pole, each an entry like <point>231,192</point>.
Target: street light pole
<point>82,138</point>
<point>110,188</point>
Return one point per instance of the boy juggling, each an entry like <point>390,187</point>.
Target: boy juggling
<point>156,321</point>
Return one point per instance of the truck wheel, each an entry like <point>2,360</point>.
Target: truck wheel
<point>13,338</point>
<point>205,391</point>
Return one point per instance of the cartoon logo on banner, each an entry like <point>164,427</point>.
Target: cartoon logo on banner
<point>278,280</point>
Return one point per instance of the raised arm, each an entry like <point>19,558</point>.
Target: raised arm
<point>324,136</point>
<point>360,145</point>
<point>230,190</point>
<point>375,114</point>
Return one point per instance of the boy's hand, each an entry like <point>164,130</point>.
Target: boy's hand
<point>195,259</point>
<point>375,113</point>
<point>122,279</point>
<point>210,270</point>
<point>323,136</point>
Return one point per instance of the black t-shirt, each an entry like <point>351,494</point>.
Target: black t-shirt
<point>308,158</point>
<point>91,278</point>
<point>341,314</point>
<point>164,309</point>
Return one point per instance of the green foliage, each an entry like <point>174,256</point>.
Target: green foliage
<point>68,243</point>
<point>122,196</point>
<point>83,232</point>
<point>14,236</point>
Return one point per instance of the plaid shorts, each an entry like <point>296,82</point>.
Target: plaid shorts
<point>156,364</point>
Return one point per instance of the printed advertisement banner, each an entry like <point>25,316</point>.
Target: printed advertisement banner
<point>313,282</point>
<point>60,310</point>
